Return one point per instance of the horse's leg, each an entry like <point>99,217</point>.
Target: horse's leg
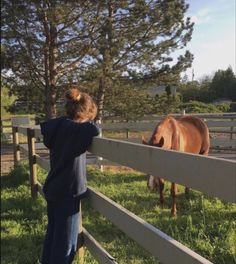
<point>173,194</point>
<point>161,188</point>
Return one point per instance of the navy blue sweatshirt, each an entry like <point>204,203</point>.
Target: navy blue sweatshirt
<point>67,141</point>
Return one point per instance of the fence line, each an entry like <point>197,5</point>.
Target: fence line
<point>215,127</point>
<point>143,233</point>
<point>195,171</point>
<point>139,230</point>
<point>209,175</point>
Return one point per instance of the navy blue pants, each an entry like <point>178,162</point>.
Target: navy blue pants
<point>62,232</point>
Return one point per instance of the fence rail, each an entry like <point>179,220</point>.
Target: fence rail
<point>212,176</point>
<point>195,171</point>
<point>218,125</point>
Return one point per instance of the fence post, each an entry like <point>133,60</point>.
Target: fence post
<point>16,149</point>
<point>99,122</point>
<point>1,126</point>
<point>127,133</point>
<point>231,130</point>
<point>80,237</point>
<point>32,163</point>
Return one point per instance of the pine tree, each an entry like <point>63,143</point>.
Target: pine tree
<point>136,42</point>
<point>49,43</point>
<point>44,42</point>
<point>223,85</point>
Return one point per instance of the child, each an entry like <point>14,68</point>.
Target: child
<point>67,138</point>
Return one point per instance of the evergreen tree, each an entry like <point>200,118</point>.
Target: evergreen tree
<point>136,42</point>
<point>44,42</point>
<point>49,43</point>
<point>223,85</point>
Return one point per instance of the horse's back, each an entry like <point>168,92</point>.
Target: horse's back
<point>195,133</point>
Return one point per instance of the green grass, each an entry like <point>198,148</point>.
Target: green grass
<point>22,220</point>
<point>206,225</point>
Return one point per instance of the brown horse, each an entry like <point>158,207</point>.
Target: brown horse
<point>187,134</point>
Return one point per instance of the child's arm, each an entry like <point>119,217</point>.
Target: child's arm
<point>86,131</point>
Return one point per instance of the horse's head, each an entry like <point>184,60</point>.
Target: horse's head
<point>155,140</point>
<point>153,183</point>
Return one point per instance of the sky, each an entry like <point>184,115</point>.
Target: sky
<point>213,40</point>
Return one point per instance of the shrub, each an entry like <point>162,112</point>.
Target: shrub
<point>199,107</point>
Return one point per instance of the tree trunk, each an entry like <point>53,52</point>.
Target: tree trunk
<point>105,81</point>
<point>50,58</point>
<point>100,98</point>
<point>50,102</point>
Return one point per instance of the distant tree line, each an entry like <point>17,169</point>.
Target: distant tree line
<point>210,94</point>
<point>208,90</point>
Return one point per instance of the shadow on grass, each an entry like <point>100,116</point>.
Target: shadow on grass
<point>16,177</point>
<point>22,220</point>
<point>113,240</point>
<point>23,249</point>
<point>22,208</point>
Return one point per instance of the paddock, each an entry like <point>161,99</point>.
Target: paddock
<point>205,174</point>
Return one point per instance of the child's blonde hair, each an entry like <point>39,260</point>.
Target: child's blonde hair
<point>80,106</point>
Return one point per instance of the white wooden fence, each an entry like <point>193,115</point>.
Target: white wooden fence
<point>212,176</point>
<point>220,125</point>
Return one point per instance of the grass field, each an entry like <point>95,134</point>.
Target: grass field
<point>206,225</point>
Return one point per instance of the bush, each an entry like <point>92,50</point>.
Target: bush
<point>199,107</point>
<point>224,107</point>
<point>232,107</point>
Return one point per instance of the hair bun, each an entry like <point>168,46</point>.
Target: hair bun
<point>73,94</point>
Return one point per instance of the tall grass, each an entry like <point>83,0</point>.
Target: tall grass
<point>206,225</point>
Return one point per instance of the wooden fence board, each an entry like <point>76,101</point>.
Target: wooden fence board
<point>220,123</point>
<point>20,120</point>
<point>42,162</point>
<point>150,125</point>
<point>212,176</point>
<point>37,132</point>
<point>140,126</point>
<point>213,142</point>
<point>223,142</point>
<point>100,254</point>
<point>220,130</point>
<point>160,245</point>
<point>159,117</point>
<point>23,130</point>
<point>24,148</point>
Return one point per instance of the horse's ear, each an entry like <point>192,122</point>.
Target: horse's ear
<point>144,141</point>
